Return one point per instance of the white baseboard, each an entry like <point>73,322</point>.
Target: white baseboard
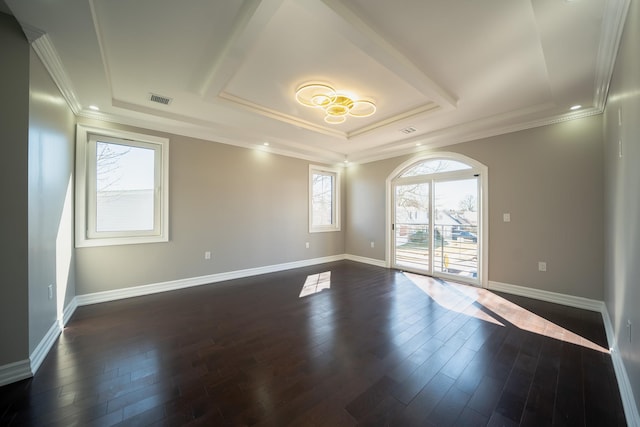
<point>608,328</point>
<point>42,349</point>
<point>27,368</point>
<point>68,312</point>
<point>563,299</point>
<point>13,372</point>
<point>624,385</point>
<point>365,260</point>
<point>172,285</point>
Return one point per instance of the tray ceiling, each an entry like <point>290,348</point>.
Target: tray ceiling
<point>440,72</point>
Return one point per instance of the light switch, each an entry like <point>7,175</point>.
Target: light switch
<point>506,217</point>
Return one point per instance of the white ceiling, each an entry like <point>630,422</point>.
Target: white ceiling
<point>454,70</point>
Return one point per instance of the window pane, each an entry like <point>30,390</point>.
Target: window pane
<point>322,199</point>
<point>456,219</point>
<point>412,242</point>
<point>125,184</point>
<point>435,166</point>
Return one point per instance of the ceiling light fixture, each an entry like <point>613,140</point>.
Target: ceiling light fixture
<point>336,105</point>
<point>94,108</point>
<point>575,107</point>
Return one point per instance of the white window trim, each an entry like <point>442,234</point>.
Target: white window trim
<point>82,210</point>
<point>483,208</point>
<point>336,202</point>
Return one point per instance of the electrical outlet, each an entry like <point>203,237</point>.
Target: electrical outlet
<point>506,217</point>
<point>50,288</point>
<point>373,244</point>
<point>306,245</point>
<point>542,266</point>
<point>207,255</point>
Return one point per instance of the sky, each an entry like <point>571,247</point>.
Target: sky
<point>128,168</point>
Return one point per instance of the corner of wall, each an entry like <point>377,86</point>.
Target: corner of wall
<point>624,385</point>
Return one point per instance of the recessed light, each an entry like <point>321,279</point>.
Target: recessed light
<point>575,107</point>
<point>418,144</point>
<point>266,144</point>
<point>94,108</point>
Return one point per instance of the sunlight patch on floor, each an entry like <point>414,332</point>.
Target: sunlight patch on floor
<point>463,299</point>
<point>316,283</point>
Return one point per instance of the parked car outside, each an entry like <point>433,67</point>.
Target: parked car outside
<point>457,234</point>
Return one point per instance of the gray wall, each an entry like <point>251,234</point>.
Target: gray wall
<point>551,181</point>
<point>622,201</point>
<point>248,207</point>
<point>14,121</point>
<point>51,165</point>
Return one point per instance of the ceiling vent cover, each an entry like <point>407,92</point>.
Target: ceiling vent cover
<point>408,130</point>
<point>159,99</point>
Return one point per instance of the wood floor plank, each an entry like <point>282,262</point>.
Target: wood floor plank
<point>449,408</point>
<point>417,411</point>
<point>372,349</point>
<point>370,398</point>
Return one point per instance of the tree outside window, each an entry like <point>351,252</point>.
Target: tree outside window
<point>324,210</point>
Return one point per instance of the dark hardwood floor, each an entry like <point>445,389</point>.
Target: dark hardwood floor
<point>372,347</point>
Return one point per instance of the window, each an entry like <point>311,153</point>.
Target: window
<point>121,188</point>
<point>324,199</point>
<point>437,217</point>
<point>433,166</point>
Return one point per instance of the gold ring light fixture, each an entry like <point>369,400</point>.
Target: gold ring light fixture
<point>336,105</point>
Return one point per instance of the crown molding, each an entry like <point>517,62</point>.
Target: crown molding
<point>613,19</point>
<point>286,118</point>
<point>459,134</point>
<point>427,108</point>
<point>213,132</point>
<point>477,130</point>
<point>32,33</point>
<point>217,135</point>
<point>49,56</point>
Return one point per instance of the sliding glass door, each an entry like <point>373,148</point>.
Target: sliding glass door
<point>436,220</point>
<point>456,227</point>
<point>411,226</point>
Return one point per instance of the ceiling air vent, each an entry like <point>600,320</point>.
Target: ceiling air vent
<point>408,130</point>
<point>159,99</point>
